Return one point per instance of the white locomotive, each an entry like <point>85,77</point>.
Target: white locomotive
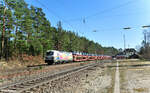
<point>54,56</point>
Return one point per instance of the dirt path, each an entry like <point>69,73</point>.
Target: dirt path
<point>117,80</point>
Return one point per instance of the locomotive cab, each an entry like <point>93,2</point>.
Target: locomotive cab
<point>49,58</point>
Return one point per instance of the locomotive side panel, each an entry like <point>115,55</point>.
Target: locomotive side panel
<point>53,56</point>
<point>63,57</point>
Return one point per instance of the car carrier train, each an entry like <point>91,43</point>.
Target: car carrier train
<point>54,56</point>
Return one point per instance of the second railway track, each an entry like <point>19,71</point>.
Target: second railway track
<point>26,85</point>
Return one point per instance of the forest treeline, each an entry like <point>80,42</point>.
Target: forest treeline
<point>24,29</point>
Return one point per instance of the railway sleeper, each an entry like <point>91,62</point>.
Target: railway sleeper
<point>42,80</point>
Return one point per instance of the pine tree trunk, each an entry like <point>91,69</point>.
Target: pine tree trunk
<point>3,35</point>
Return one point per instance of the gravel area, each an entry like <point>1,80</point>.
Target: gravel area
<point>94,80</point>
<point>135,79</point>
<point>98,81</point>
<point>30,73</point>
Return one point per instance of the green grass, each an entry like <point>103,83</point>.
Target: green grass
<point>81,64</point>
<point>38,68</point>
<point>1,81</point>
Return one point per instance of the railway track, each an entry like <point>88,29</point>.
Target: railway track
<point>26,85</point>
<point>32,67</point>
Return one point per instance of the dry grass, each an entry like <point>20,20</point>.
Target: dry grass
<point>10,65</point>
<point>16,64</point>
<point>140,89</point>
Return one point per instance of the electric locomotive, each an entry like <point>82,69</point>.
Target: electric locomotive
<point>54,57</point>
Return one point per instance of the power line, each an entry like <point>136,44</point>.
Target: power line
<point>110,16</point>
<point>113,8</point>
<point>85,18</point>
<point>96,30</point>
<point>125,28</point>
<point>106,10</point>
<point>52,12</point>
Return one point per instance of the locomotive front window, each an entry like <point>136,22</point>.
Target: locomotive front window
<point>49,53</point>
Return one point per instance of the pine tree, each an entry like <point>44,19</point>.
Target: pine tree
<point>25,29</point>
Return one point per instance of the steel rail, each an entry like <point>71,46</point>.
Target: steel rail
<point>29,84</point>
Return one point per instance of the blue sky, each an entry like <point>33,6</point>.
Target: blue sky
<point>107,17</point>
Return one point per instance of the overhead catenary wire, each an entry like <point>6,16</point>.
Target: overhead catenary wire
<point>84,20</point>
<point>124,28</point>
<point>113,8</point>
<point>105,11</point>
<point>127,14</point>
<point>52,12</point>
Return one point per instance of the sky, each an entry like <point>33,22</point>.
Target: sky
<point>100,20</point>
